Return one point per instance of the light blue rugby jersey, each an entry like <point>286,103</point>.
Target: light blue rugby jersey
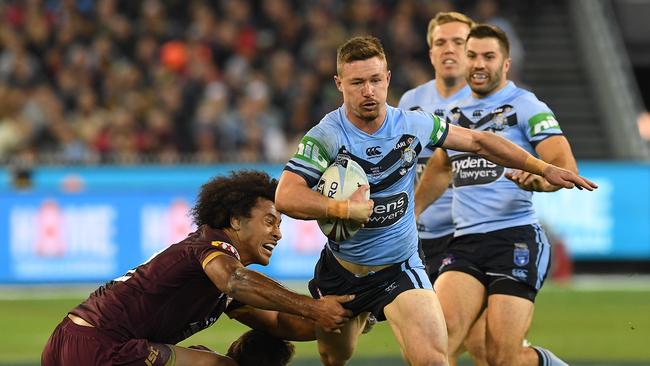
<point>436,220</point>
<point>484,199</point>
<point>388,157</point>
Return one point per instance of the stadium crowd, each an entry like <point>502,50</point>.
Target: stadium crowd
<point>126,82</point>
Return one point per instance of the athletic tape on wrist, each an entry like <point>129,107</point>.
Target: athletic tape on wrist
<point>338,209</point>
<point>535,166</point>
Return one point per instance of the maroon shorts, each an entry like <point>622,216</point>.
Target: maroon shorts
<point>73,344</point>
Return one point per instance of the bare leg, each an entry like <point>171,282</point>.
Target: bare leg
<point>475,341</point>
<point>336,348</point>
<point>419,326</point>
<point>461,297</point>
<point>508,320</point>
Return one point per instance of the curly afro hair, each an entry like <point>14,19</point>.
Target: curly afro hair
<point>257,348</point>
<point>232,196</point>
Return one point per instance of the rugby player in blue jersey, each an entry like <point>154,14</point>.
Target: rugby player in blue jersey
<point>446,35</point>
<point>380,264</point>
<point>499,256</point>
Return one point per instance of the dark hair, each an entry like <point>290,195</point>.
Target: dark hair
<point>232,196</point>
<point>257,348</point>
<point>491,31</point>
<point>359,49</point>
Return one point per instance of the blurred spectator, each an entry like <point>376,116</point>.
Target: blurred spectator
<point>201,81</point>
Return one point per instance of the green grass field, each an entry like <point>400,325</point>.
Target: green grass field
<point>588,327</point>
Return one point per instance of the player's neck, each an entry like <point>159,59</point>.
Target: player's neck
<point>234,240</point>
<point>369,127</point>
<point>447,88</point>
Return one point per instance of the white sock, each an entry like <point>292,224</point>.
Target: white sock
<point>547,358</point>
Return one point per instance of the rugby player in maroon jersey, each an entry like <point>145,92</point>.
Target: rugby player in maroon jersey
<point>138,318</point>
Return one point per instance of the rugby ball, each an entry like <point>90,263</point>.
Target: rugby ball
<point>339,181</point>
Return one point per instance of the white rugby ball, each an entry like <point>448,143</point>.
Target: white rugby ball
<point>339,181</point>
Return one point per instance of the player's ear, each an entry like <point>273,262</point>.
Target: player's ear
<point>506,65</point>
<point>337,81</point>
<point>235,223</point>
<point>388,74</point>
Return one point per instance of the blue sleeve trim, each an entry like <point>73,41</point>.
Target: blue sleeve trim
<point>316,172</point>
<point>440,141</point>
<point>311,181</point>
<point>544,136</point>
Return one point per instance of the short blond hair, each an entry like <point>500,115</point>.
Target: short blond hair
<point>359,49</point>
<point>444,18</point>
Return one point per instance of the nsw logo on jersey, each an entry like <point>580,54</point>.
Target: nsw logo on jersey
<point>470,169</point>
<point>542,122</point>
<point>388,210</point>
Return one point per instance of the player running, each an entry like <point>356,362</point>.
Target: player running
<point>446,36</point>
<point>499,256</point>
<point>380,264</point>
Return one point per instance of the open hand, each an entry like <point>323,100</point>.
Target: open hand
<point>567,179</point>
<point>530,182</point>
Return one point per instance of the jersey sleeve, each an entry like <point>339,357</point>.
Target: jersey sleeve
<point>537,121</point>
<point>215,249</point>
<point>431,129</point>
<point>315,153</point>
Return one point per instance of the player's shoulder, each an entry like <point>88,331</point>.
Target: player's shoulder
<point>330,125</point>
<point>525,99</point>
<point>413,97</point>
<point>408,115</point>
<point>214,240</point>
<point>332,120</point>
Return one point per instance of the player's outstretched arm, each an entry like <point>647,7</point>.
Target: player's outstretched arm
<point>503,152</point>
<point>257,290</point>
<point>294,198</point>
<point>433,182</point>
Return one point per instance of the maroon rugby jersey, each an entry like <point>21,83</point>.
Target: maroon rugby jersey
<point>166,299</point>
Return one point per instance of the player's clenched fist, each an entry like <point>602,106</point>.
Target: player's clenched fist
<point>360,207</point>
<point>332,315</point>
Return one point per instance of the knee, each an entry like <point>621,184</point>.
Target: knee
<point>338,358</point>
<point>497,356</point>
<point>476,349</point>
<point>336,351</point>
<point>434,358</point>
<point>333,360</point>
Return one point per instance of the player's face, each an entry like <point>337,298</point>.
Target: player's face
<point>364,85</point>
<point>487,66</point>
<point>447,53</point>
<point>260,233</point>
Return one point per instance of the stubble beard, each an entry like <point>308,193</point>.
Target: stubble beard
<point>368,116</point>
<point>493,82</point>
